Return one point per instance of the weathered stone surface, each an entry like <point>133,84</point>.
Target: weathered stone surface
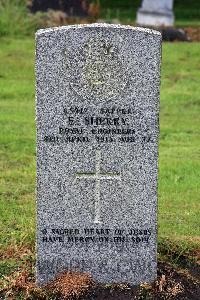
<point>97,151</point>
<point>156,13</point>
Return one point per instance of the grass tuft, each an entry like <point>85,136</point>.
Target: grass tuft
<point>15,21</point>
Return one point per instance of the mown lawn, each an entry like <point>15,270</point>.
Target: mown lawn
<point>179,164</point>
<point>179,143</point>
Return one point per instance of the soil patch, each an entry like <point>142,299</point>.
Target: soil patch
<point>171,283</point>
<point>193,33</point>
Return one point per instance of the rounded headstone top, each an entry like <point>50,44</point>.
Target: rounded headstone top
<point>96,58</point>
<point>96,25</point>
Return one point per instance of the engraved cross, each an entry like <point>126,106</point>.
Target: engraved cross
<point>98,176</point>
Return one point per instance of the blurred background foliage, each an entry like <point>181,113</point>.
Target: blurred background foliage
<point>17,20</point>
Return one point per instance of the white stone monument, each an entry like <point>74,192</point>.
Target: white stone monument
<point>156,13</point>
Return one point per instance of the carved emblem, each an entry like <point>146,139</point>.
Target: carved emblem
<point>98,70</point>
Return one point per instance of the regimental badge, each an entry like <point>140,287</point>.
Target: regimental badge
<point>97,70</point>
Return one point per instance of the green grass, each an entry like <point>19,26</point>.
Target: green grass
<point>179,160</point>
<point>179,164</point>
<point>17,141</point>
<point>15,20</point>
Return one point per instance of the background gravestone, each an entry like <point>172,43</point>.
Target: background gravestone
<point>97,151</point>
<point>156,13</point>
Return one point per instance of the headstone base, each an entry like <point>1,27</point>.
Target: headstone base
<point>151,18</point>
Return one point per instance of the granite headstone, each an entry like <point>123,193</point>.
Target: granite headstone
<point>156,13</point>
<point>97,151</point>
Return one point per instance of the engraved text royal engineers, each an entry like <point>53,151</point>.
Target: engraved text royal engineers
<point>97,151</point>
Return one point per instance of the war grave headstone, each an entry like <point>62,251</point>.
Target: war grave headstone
<point>97,151</point>
<point>156,13</point>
